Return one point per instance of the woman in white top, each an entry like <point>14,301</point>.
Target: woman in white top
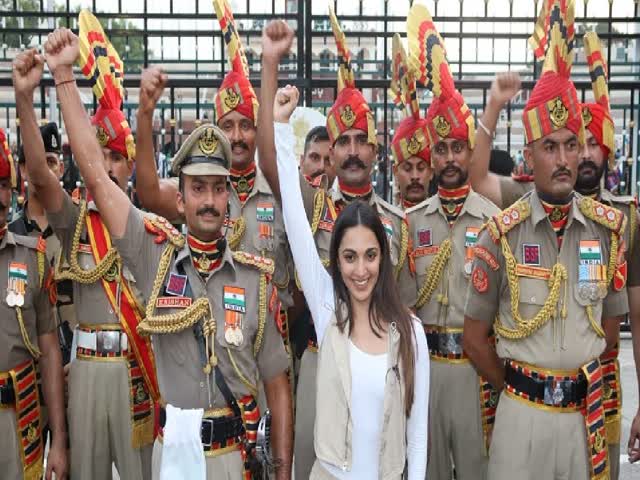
<point>360,300</point>
<point>373,365</point>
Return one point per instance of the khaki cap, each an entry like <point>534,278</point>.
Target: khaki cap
<point>205,152</point>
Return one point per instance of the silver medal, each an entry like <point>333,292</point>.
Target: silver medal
<point>467,268</point>
<point>228,335</point>
<point>19,300</point>
<point>583,290</point>
<point>11,298</point>
<point>238,337</point>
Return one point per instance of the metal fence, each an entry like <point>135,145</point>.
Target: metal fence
<point>481,36</point>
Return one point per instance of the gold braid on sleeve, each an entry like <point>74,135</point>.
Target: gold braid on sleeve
<point>174,322</point>
<point>33,350</point>
<point>262,314</point>
<point>108,266</point>
<point>404,243</point>
<point>434,274</point>
<point>525,327</point>
<point>318,204</point>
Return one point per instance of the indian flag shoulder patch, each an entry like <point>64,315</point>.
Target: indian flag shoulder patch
<point>233,299</point>
<point>589,252</point>
<point>471,236</point>
<point>388,226</point>
<point>265,212</point>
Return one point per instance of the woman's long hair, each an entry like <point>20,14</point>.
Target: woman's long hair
<point>386,306</point>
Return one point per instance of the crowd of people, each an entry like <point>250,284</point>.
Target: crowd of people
<point>263,315</point>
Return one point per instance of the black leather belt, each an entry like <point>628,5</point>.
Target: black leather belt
<point>7,394</point>
<point>214,430</point>
<point>554,391</point>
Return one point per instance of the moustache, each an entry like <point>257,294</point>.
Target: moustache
<point>114,179</point>
<point>316,174</point>
<point>353,162</point>
<point>588,164</point>
<point>240,144</point>
<point>205,210</point>
<point>561,171</point>
<point>416,185</point>
<point>451,169</point>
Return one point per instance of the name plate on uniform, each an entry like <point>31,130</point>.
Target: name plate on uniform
<point>173,302</point>
<point>533,272</point>
<point>422,251</point>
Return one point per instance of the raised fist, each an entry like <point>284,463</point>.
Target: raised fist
<point>61,49</point>
<point>277,38</point>
<point>285,103</point>
<point>27,71</point>
<point>152,84</point>
<point>505,86</point>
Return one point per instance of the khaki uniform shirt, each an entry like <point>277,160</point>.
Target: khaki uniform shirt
<point>558,344</point>
<point>428,228</point>
<point>311,197</point>
<point>629,207</point>
<point>37,312</point>
<point>91,303</point>
<point>511,190</point>
<point>392,218</point>
<point>24,226</point>
<point>178,356</point>
<point>264,232</point>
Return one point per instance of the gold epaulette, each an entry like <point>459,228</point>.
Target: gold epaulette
<point>163,231</point>
<point>318,207</point>
<point>606,216</point>
<point>265,265</point>
<point>507,219</point>
<point>237,231</point>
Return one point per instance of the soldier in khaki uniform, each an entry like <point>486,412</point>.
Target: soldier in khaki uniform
<point>409,146</point>
<point>352,135</point>
<point>27,334</point>
<point>600,148</point>
<point>210,310</point>
<point>32,222</point>
<point>255,222</point>
<point>549,276</point>
<point>112,378</point>
<point>443,231</point>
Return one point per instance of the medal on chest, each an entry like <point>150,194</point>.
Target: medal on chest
<point>234,310</point>
<point>470,240</point>
<point>17,284</point>
<point>592,274</point>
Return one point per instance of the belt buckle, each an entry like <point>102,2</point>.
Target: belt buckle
<point>108,341</point>
<point>556,391</point>
<point>448,343</point>
<point>206,432</point>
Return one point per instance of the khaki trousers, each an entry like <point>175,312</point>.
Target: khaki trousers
<point>455,425</point>
<point>614,461</point>
<point>304,452</point>
<point>531,444</point>
<point>100,423</point>
<point>224,467</point>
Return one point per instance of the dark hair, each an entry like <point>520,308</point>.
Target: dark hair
<point>386,306</point>
<point>316,134</point>
<point>501,163</point>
